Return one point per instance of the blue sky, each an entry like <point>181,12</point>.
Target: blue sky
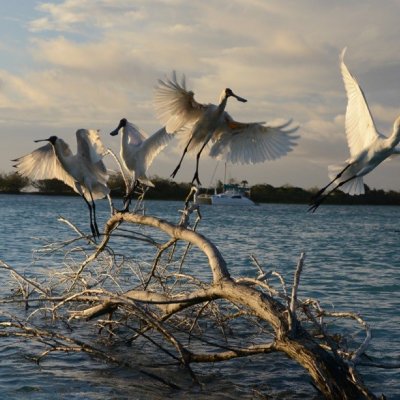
<point>76,64</point>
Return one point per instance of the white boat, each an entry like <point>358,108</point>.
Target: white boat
<point>233,195</point>
<point>204,198</point>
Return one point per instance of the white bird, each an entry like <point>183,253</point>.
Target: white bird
<point>84,171</point>
<point>368,147</point>
<point>138,152</point>
<point>196,124</point>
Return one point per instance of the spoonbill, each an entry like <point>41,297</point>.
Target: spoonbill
<point>368,147</point>
<point>84,171</point>
<point>196,124</point>
<point>138,152</point>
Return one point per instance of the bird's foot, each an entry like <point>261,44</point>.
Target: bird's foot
<point>312,208</point>
<point>127,202</point>
<point>95,234</point>
<point>175,171</point>
<point>316,196</point>
<point>123,210</point>
<point>315,204</point>
<point>196,179</point>
<point>114,210</point>
<point>96,228</point>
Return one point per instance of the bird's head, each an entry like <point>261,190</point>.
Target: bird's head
<point>229,93</point>
<point>122,124</point>
<point>51,139</point>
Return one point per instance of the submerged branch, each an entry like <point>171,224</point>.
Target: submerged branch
<point>23,278</point>
<point>59,342</point>
<point>170,310</point>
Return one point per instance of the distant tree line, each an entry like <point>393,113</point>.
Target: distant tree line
<point>264,193</point>
<point>166,189</point>
<point>12,183</point>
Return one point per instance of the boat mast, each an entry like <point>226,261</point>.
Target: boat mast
<point>225,175</point>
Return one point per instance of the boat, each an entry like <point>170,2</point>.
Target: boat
<point>204,198</point>
<point>233,195</point>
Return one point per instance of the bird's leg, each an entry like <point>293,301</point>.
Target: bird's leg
<point>92,228</point>
<point>128,197</point>
<point>196,174</point>
<point>317,195</point>
<point>96,228</point>
<point>180,161</point>
<point>319,200</point>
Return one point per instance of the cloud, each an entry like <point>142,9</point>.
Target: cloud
<point>87,64</point>
<point>73,15</point>
<point>17,93</point>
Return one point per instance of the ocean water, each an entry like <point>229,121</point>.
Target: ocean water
<point>352,264</point>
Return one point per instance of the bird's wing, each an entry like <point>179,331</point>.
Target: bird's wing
<point>360,127</point>
<point>175,106</point>
<point>89,145</point>
<point>135,135</point>
<point>91,150</point>
<point>154,144</point>
<point>250,143</point>
<point>43,163</point>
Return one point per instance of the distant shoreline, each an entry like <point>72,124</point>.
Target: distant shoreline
<point>167,189</point>
<point>371,198</point>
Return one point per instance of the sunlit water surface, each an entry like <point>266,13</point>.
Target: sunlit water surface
<point>352,264</point>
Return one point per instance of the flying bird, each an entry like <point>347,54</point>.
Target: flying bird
<point>197,124</point>
<point>84,171</point>
<point>368,147</point>
<point>138,152</point>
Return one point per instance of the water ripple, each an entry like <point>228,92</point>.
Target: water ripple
<point>352,264</point>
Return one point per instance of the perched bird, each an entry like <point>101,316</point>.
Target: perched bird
<point>197,124</point>
<point>84,171</point>
<point>368,147</point>
<point>138,152</point>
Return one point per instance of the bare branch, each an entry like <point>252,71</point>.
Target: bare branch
<point>293,299</point>
<point>23,278</point>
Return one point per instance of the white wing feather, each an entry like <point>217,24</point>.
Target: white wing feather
<point>154,144</point>
<point>360,127</point>
<point>91,150</point>
<point>175,106</point>
<point>43,163</point>
<point>89,145</point>
<point>143,149</point>
<point>135,135</point>
<point>250,143</point>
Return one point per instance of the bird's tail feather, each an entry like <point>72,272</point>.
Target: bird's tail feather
<point>353,187</point>
<point>99,191</point>
<point>145,181</point>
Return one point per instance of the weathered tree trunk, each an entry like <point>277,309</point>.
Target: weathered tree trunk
<point>334,377</point>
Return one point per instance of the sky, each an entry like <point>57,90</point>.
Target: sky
<point>71,64</point>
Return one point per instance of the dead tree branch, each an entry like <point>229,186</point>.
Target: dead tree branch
<point>170,309</point>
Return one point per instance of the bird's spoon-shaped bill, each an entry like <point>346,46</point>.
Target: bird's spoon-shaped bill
<point>239,98</point>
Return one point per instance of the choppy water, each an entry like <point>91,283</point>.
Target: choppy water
<point>352,262</point>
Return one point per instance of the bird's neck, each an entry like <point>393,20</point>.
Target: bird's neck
<point>58,149</point>
<point>125,150</point>
<point>394,138</point>
<point>124,139</point>
<point>222,103</point>
<point>64,159</point>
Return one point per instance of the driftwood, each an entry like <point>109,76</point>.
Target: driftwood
<point>171,307</point>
